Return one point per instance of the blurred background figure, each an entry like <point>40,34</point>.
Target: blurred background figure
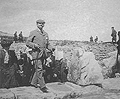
<point>96,39</point>
<point>114,35</point>
<point>15,37</point>
<point>116,68</point>
<point>20,38</point>
<point>91,39</point>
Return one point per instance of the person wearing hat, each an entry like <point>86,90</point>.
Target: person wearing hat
<point>8,66</point>
<point>38,40</point>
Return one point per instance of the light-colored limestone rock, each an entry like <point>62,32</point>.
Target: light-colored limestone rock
<point>83,68</point>
<point>91,72</point>
<point>110,62</point>
<point>64,91</point>
<point>6,94</point>
<point>111,83</point>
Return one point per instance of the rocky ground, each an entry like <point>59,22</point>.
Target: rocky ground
<point>110,87</point>
<point>110,90</point>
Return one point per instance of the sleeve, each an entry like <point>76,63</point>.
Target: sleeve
<point>29,41</point>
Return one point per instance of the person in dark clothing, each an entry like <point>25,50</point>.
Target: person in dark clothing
<point>25,70</point>
<point>91,39</point>
<point>15,37</point>
<point>118,43</point>
<point>96,39</point>
<point>114,35</point>
<point>21,37</point>
<point>116,68</point>
<point>8,66</point>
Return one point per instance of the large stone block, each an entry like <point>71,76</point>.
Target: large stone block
<point>83,68</point>
<point>91,72</point>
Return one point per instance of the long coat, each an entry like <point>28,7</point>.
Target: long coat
<point>7,71</point>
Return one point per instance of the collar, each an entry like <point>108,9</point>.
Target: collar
<point>41,32</point>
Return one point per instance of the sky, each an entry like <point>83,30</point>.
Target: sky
<point>65,19</point>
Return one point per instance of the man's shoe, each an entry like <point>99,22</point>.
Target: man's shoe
<point>34,86</point>
<point>45,90</point>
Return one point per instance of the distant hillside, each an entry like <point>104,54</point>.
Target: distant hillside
<point>5,34</point>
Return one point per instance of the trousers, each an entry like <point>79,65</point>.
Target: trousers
<point>37,77</point>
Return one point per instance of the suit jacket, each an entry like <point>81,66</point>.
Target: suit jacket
<point>36,37</point>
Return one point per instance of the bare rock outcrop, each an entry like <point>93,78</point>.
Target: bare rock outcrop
<point>83,68</point>
<point>56,91</point>
<point>6,94</point>
<point>108,64</point>
<point>91,72</point>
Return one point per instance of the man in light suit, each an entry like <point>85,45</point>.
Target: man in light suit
<point>38,40</point>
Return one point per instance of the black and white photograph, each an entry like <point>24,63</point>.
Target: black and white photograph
<point>59,49</point>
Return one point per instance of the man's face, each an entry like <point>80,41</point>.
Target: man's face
<point>40,25</point>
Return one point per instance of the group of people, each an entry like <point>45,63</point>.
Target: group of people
<point>18,37</point>
<point>38,41</point>
<point>95,40</point>
<point>11,69</point>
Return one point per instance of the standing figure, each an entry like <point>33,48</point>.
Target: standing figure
<point>91,39</point>
<point>118,43</point>
<point>116,68</point>
<point>114,33</point>
<point>96,39</point>
<point>38,40</point>
<point>21,37</point>
<point>15,37</point>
